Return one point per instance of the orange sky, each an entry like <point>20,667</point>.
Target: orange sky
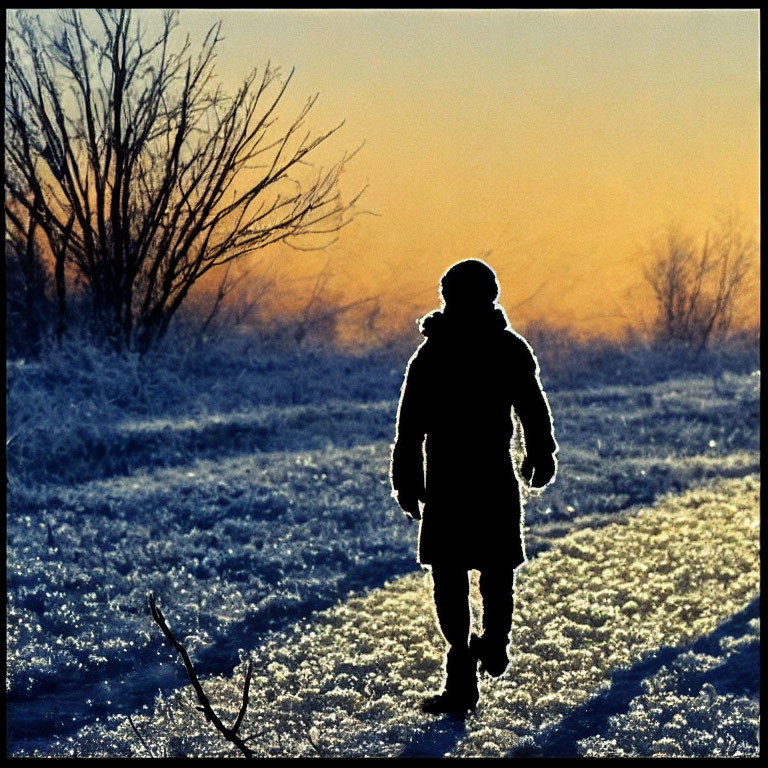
<point>555,143</point>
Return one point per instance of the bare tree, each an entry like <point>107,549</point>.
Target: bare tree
<point>142,173</point>
<point>25,294</point>
<point>698,287</point>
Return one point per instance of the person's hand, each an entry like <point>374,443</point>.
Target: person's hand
<point>409,503</point>
<point>527,470</point>
<point>537,474</point>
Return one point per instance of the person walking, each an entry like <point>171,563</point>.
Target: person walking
<point>452,468</point>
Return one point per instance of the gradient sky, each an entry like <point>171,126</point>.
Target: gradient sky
<point>553,144</point>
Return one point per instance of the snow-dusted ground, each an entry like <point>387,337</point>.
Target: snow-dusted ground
<point>616,650</point>
<point>249,505</point>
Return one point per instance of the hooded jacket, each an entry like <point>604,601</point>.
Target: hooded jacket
<point>454,430</point>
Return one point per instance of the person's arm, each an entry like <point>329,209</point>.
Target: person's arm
<point>530,404</point>
<point>407,470</point>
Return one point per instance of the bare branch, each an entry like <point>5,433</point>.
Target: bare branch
<point>308,725</point>
<point>140,738</point>
<point>230,734</point>
<point>244,706</point>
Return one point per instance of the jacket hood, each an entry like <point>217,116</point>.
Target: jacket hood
<point>450,322</point>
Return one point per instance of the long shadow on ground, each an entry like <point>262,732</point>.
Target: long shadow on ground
<point>739,675</point>
<point>439,738</point>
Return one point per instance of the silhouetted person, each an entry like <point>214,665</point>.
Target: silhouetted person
<point>459,391</point>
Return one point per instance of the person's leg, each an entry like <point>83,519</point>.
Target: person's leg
<point>496,589</point>
<point>451,587</point>
<point>459,692</point>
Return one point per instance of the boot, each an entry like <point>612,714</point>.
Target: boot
<point>459,694</point>
<point>491,653</point>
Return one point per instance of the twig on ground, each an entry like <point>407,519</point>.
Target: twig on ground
<point>231,734</point>
<point>308,725</point>
<point>140,737</point>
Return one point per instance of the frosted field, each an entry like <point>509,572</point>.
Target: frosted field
<point>259,514</point>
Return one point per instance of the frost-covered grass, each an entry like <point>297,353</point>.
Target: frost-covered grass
<point>81,413</point>
<point>249,493</point>
<point>622,445</point>
<point>685,709</point>
<point>230,546</point>
<point>347,682</point>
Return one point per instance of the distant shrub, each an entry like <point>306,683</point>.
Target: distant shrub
<point>569,361</point>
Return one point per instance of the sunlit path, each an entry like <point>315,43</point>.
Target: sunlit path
<point>349,681</point>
